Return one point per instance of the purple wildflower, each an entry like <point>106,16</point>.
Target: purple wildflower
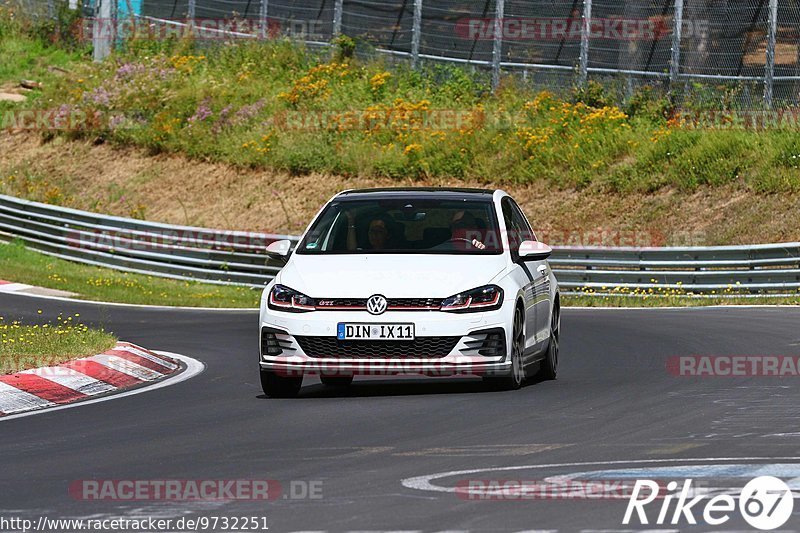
<point>248,112</point>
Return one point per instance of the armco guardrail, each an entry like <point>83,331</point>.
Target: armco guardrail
<point>236,257</point>
<point>182,252</point>
<point>756,269</point>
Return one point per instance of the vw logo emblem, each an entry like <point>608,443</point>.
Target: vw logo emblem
<point>376,305</point>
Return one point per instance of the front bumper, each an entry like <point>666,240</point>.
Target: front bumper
<point>466,353</point>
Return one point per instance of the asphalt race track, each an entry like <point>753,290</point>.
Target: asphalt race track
<point>614,402</point>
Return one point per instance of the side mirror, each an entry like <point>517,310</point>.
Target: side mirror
<point>534,251</point>
<point>280,250</point>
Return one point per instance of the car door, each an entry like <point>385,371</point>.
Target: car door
<point>541,278</point>
<point>514,233</point>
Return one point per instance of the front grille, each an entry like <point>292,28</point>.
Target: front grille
<point>360,304</point>
<point>420,348</point>
<point>322,303</point>
<point>415,302</point>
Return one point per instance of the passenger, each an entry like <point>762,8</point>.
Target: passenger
<point>379,235</point>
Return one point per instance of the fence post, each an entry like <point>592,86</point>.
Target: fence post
<point>583,68</point>
<point>772,31</point>
<point>262,19</point>
<point>416,32</point>
<point>338,7</point>
<point>677,30</point>
<point>104,31</point>
<point>497,51</point>
<point>191,12</point>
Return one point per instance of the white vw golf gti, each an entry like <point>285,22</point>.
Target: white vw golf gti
<point>411,281</point>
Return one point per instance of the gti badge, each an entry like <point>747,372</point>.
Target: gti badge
<point>376,305</point>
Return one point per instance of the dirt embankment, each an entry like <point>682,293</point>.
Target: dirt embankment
<point>178,190</point>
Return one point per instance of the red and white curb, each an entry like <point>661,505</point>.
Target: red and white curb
<point>126,366</point>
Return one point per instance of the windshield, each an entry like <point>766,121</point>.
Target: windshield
<point>405,226</point>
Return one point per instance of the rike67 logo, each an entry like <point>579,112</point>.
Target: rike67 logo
<point>766,503</point>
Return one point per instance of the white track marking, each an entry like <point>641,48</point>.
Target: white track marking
<point>193,368</point>
<point>14,287</point>
<point>72,379</point>
<point>425,482</point>
<point>127,367</point>
<point>13,400</point>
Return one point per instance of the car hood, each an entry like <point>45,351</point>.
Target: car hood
<point>394,276</point>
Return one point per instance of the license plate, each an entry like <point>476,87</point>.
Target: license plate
<point>375,332</point>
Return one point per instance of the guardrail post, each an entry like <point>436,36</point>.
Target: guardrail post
<point>338,8</point>
<point>677,30</point>
<point>497,51</point>
<point>416,32</point>
<point>772,31</point>
<point>583,67</point>
<point>263,33</point>
<point>104,30</point>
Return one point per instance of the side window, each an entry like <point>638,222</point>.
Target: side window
<point>526,233</point>
<point>512,227</point>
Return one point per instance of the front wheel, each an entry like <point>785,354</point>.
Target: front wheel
<point>513,380</point>
<point>549,367</point>
<point>276,386</point>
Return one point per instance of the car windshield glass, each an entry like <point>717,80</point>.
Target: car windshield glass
<point>405,226</point>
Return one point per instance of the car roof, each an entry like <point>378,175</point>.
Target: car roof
<point>416,192</point>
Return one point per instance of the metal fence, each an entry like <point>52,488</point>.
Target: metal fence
<point>750,46</point>
<point>747,51</point>
<point>235,257</point>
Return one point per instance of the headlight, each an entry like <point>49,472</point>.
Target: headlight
<point>286,299</point>
<point>486,298</point>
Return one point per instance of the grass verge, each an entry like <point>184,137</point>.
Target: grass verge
<point>277,105</point>
<point>674,301</point>
<point>21,265</point>
<point>32,346</point>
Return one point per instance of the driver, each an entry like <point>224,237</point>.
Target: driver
<point>464,228</point>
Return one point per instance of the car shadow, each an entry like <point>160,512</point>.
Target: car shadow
<point>366,388</point>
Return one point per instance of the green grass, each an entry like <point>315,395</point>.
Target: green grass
<point>32,346</point>
<point>277,105</point>
<point>674,301</point>
<point>22,265</point>
<point>41,51</point>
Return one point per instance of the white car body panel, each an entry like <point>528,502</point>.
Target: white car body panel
<point>361,276</point>
<point>393,276</point>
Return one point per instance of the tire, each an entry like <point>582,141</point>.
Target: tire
<point>549,367</point>
<point>336,381</point>
<point>514,379</point>
<point>275,386</point>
